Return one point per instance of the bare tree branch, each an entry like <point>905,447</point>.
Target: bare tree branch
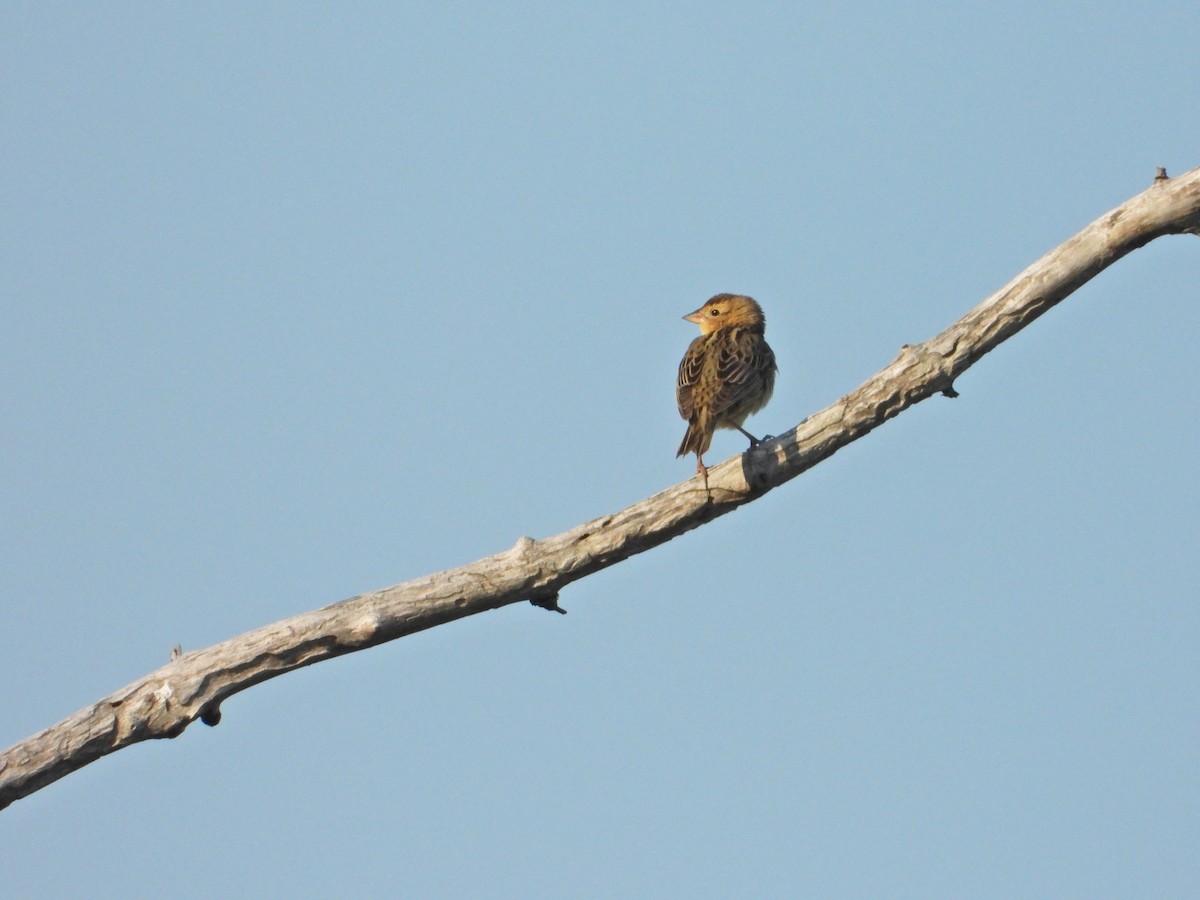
<point>193,685</point>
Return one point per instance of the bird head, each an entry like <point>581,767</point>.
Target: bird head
<point>724,310</point>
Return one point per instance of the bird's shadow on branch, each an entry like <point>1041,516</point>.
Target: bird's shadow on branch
<point>771,462</point>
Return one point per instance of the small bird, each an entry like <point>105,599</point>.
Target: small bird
<point>727,374</point>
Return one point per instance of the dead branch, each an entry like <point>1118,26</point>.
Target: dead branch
<point>193,685</point>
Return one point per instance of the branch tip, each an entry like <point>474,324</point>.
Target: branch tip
<point>211,715</point>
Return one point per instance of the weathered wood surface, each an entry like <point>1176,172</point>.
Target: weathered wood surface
<point>193,685</point>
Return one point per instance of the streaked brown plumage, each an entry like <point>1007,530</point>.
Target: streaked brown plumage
<point>727,374</point>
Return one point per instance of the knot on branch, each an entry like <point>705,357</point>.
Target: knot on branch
<point>523,546</point>
<point>547,601</point>
<point>934,368</point>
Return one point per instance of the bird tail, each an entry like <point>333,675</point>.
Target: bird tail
<point>697,437</point>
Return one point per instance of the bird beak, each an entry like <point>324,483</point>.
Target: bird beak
<point>694,317</point>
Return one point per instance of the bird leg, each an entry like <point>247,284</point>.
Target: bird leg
<point>754,442</point>
<point>702,469</point>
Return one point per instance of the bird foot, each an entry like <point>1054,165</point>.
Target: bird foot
<point>754,442</point>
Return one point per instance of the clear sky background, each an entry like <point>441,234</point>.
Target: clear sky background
<point>298,302</point>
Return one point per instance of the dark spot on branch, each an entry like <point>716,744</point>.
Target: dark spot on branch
<point>547,601</point>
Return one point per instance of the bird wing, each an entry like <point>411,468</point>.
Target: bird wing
<point>689,374</point>
<point>745,371</point>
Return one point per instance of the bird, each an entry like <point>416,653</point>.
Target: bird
<point>726,375</point>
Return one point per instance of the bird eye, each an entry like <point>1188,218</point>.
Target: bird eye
<point>714,312</point>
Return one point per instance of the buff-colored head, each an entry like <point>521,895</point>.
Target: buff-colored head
<point>725,310</point>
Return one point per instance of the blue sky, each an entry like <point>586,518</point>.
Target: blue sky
<point>298,302</point>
